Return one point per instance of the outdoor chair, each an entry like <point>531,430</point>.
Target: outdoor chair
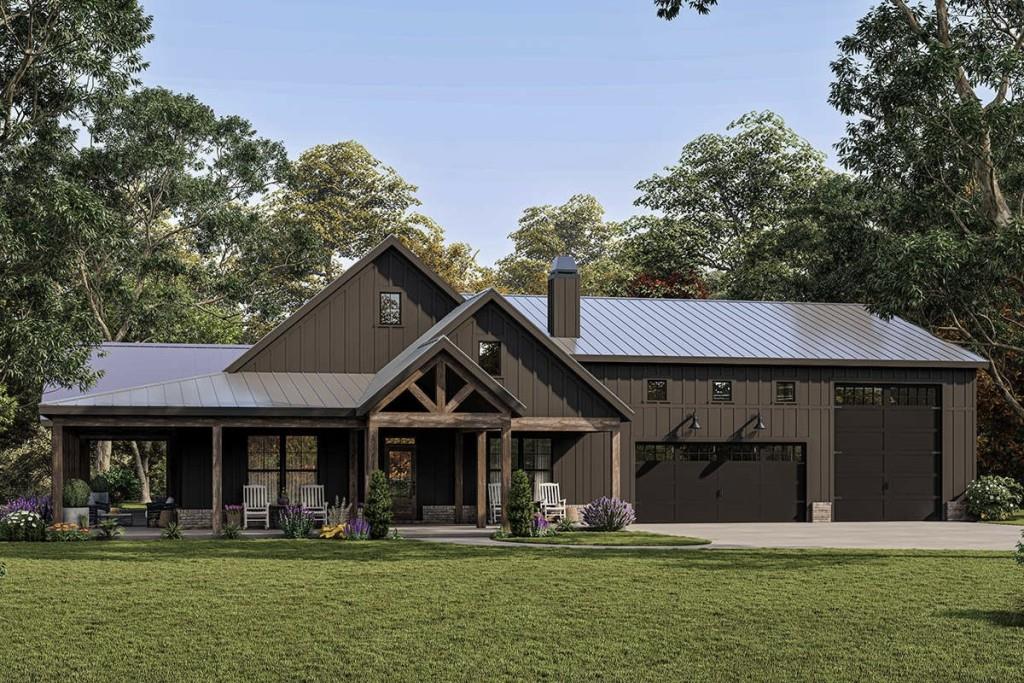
<point>552,505</point>
<point>494,501</point>
<point>256,505</point>
<point>312,498</point>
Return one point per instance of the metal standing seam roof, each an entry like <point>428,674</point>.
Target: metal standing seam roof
<point>749,332</point>
<point>227,391</point>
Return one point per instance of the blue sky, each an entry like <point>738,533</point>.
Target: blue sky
<point>493,107</point>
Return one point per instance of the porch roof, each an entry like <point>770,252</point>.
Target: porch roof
<point>221,393</point>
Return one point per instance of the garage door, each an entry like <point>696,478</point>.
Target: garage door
<point>711,482</point>
<point>888,455</point>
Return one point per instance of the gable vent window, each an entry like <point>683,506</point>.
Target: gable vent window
<point>657,390</point>
<point>489,357</point>
<point>785,392</point>
<point>721,390</point>
<point>390,312</point>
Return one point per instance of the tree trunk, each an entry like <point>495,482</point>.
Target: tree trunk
<point>142,470</point>
<point>102,463</point>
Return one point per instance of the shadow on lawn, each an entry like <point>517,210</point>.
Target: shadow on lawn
<point>1007,618</point>
<point>418,551</point>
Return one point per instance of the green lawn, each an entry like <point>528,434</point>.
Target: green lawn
<point>407,611</point>
<point>611,538</point>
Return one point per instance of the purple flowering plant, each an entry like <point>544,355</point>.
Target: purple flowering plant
<point>539,525</point>
<point>37,504</point>
<point>295,521</point>
<point>608,514</point>
<point>357,529</point>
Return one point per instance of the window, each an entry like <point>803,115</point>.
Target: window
<point>721,390</point>
<point>489,357</point>
<point>282,464</point>
<point>712,452</point>
<point>533,456</point>
<point>785,392</point>
<point>657,390</point>
<point>390,308</point>
<point>894,395</point>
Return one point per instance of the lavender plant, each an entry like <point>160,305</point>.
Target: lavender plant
<point>540,526</point>
<point>608,514</point>
<point>295,521</point>
<point>37,504</point>
<point>357,529</point>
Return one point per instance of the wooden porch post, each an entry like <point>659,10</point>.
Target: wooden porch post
<point>458,476</point>
<point>217,515</point>
<point>481,479</point>
<point>353,469</point>
<point>616,463</point>
<point>371,456</point>
<point>506,470</point>
<point>57,490</point>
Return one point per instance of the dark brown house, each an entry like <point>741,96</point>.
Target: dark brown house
<point>694,410</point>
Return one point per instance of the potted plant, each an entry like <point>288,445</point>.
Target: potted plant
<point>100,489</point>
<point>76,501</point>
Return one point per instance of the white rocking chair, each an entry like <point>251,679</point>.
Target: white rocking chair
<point>312,497</point>
<point>552,505</point>
<point>494,501</point>
<point>256,505</point>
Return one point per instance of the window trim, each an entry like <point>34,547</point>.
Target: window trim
<point>480,343</point>
<point>721,400</point>
<point>775,395</point>
<point>380,308</point>
<point>647,390</point>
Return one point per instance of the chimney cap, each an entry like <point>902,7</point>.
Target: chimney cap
<point>564,265</point>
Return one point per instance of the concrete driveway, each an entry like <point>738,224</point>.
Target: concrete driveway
<point>899,535</point>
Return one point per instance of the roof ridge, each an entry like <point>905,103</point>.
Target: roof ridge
<point>677,299</point>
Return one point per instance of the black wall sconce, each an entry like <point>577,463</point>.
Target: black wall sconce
<point>760,424</point>
<point>694,422</point>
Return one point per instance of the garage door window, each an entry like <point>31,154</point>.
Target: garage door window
<point>894,395</point>
<point>710,452</point>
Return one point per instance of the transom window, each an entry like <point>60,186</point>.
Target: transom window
<point>657,390</point>
<point>533,456</point>
<point>892,395</point>
<point>785,392</point>
<point>282,464</point>
<point>489,357</point>
<point>390,312</point>
<point>721,390</point>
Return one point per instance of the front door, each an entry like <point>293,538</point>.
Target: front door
<point>401,459</point>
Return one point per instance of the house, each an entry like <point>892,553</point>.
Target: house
<point>694,410</point>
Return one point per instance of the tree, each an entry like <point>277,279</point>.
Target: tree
<point>932,93</point>
<point>660,263</point>
<point>378,505</point>
<point>576,228</point>
<point>730,193</point>
<point>669,9</point>
<point>350,201</point>
<point>56,59</point>
<point>520,504</point>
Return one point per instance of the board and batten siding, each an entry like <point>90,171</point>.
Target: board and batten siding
<point>534,375</point>
<point>342,333</point>
<point>809,420</point>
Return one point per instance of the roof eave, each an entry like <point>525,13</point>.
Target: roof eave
<point>192,411</point>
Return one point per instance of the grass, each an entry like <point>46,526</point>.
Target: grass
<point>627,538</point>
<point>405,610</point>
<point>1017,519</point>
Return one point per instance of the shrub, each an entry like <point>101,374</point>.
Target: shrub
<point>231,531</point>
<point>608,514</point>
<point>378,505</point>
<point>108,529</point>
<point>994,497</point>
<point>99,484</point>
<point>66,533</point>
<point>76,493</point>
<point>520,504</point>
<point>1019,556</point>
<point>295,521</point>
<point>564,525</point>
<point>540,526</point>
<point>23,525</point>
<point>337,514</point>
<point>172,532</point>
<point>123,484</point>
<point>37,504</point>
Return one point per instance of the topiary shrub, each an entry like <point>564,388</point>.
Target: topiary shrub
<point>123,484</point>
<point>520,504</point>
<point>378,505</point>
<point>76,493</point>
<point>608,514</point>
<point>992,497</point>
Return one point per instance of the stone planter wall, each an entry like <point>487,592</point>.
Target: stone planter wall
<point>445,514</point>
<point>195,518</point>
<point>821,512</point>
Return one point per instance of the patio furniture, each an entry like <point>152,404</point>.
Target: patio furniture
<point>255,505</point>
<point>552,505</point>
<point>122,518</point>
<point>155,510</point>
<point>494,501</point>
<point>312,498</point>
